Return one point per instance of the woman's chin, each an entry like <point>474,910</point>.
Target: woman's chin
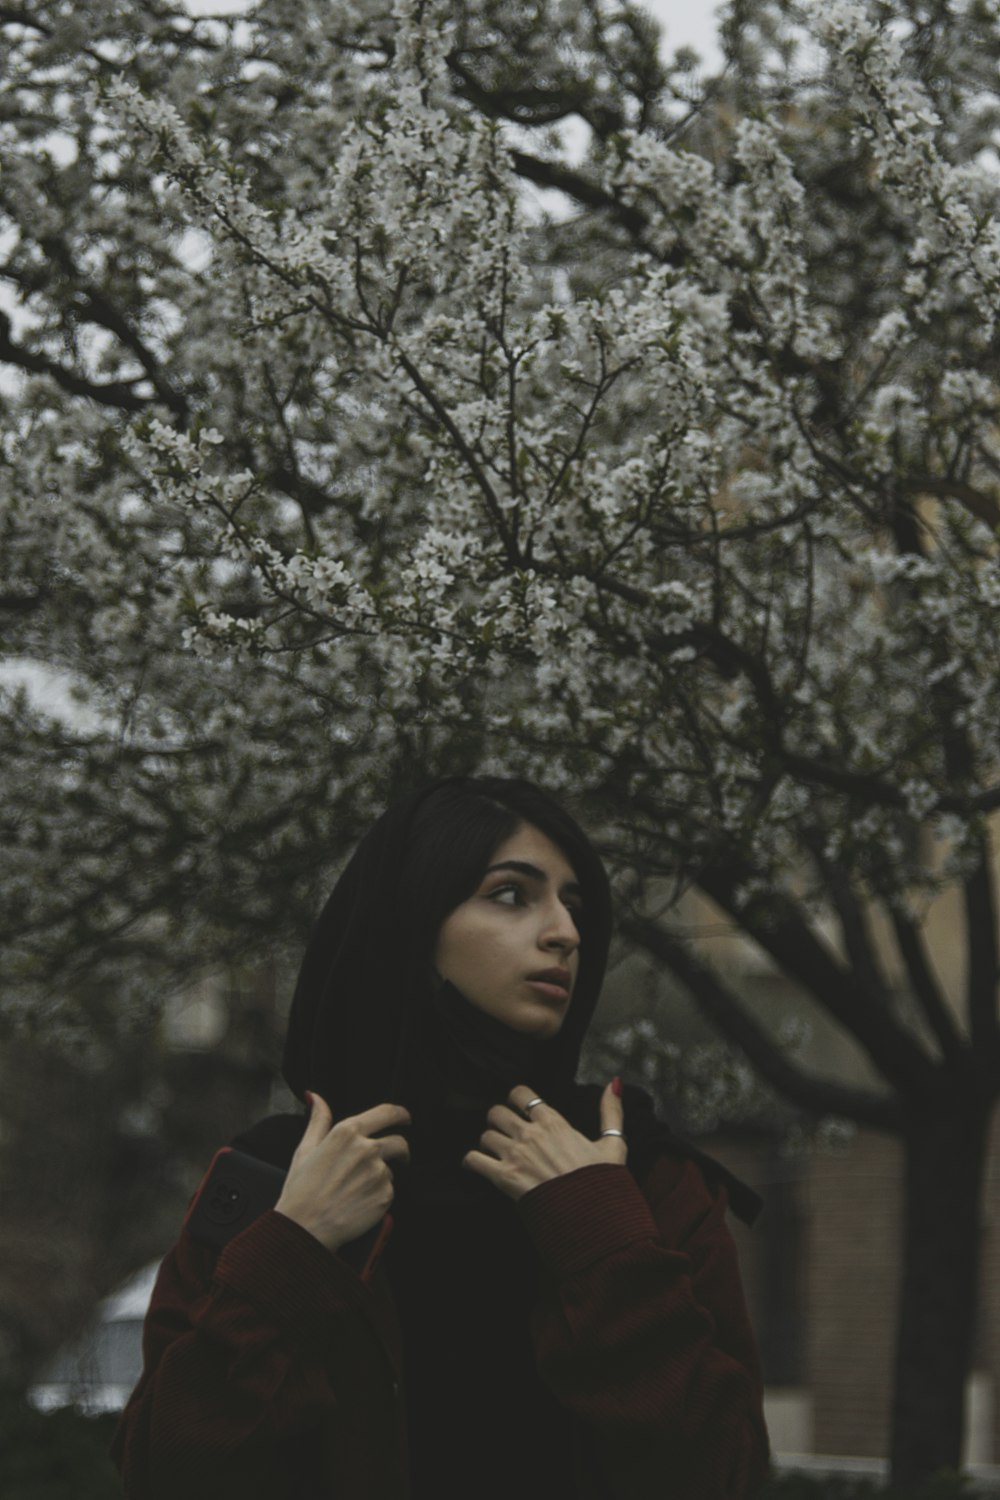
<point>535,1022</point>
<point>524,1011</point>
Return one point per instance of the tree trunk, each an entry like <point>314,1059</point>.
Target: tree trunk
<point>940,1256</point>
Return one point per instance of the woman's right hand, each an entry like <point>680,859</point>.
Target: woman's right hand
<point>339,1183</point>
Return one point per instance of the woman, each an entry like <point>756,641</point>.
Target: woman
<point>553,1305</point>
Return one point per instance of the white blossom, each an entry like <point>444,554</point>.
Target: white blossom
<point>688,491</point>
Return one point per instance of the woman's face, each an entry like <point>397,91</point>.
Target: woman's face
<point>513,948</point>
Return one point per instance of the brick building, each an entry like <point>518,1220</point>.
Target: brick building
<point>821,1272</point>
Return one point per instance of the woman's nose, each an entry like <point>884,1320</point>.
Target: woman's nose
<point>561,931</point>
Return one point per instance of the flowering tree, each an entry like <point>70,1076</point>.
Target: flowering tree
<point>335,454</point>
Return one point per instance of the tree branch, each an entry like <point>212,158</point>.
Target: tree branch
<point>19,15</point>
<point>105,315</point>
<point>855,927</point>
<point>784,934</point>
<point>538,106</point>
<point>818,1096</point>
<point>733,660</point>
<point>979,893</point>
<point>95,306</point>
<point>978,890</point>
<point>116,393</point>
<point>476,469</point>
<point>549,174</point>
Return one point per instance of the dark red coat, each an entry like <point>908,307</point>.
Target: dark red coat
<point>274,1370</point>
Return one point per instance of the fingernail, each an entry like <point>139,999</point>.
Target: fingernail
<point>310,1099</point>
<point>616,1087</point>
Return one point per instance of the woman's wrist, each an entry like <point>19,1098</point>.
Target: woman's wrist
<point>331,1242</point>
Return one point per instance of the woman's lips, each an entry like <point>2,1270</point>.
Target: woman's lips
<point>549,989</point>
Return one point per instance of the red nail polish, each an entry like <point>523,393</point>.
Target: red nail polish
<point>616,1087</point>
<point>310,1100</point>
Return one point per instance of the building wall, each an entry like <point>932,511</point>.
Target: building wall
<point>852,1206</point>
<point>830,1391</point>
<point>986,1446</point>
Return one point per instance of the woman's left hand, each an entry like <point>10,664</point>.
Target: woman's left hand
<point>527,1150</point>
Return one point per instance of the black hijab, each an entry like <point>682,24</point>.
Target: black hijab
<point>370,1023</point>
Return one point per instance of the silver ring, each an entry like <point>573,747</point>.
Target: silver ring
<point>614,1132</point>
<point>531,1104</point>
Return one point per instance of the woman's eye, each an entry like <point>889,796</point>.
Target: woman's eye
<point>507,895</point>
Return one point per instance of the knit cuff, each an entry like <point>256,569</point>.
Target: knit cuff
<point>284,1270</point>
<point>584,1215</point>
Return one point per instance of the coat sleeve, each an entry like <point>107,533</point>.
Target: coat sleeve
<point>236,1382</point>
<point>642,1330</point>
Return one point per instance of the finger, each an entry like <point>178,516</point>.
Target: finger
<point>493,1141</point>
<point>522,1095</point>
<point>381,1117</point>
<point>320,1120</point>
<point>612,1111</point>
<point>486,1166</point>
<point>508,1120</point>
<point>393,1148</point>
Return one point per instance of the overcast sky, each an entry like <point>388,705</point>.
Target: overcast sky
<point>687,23</point>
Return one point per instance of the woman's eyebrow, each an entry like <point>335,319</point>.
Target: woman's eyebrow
<point>571,887</point>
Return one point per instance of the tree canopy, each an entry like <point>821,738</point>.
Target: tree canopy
<point>330,452</point>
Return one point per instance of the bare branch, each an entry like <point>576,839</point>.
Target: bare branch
<point>785,934</point>
<point>116,393</point>
<point>979,893</point>
<point>817,1095</point>
<point>854,925</point>
<point>550,174</point>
